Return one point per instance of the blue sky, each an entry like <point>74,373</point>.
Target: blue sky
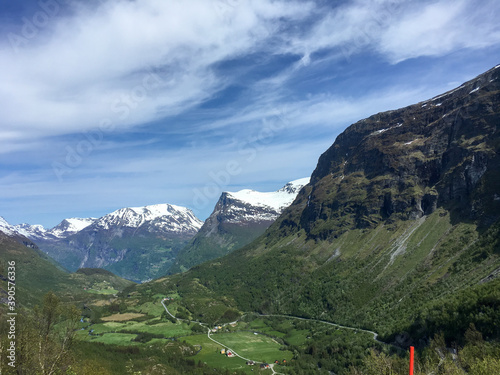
<point>113,103</point>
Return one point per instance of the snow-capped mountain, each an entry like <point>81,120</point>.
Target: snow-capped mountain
<point>37,232</point>
<point>25,230</point>
<point>254,206</point>
<point>14,232</point>
<point>160,217</point>
<point>137,243</point>
<point>6,228</point>
<point>31,231</point>
<point>70,226</point>
<point>238,218</point>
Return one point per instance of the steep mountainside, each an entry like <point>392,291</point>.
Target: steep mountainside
<point>36,274</point>
<point>404,164</point>
<point>137,243</point>
<point>398,231</point>
<point>238,218</point>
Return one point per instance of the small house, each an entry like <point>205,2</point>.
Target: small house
<point>264,366</point>
<point>230,353</point>
<point>250,363</point>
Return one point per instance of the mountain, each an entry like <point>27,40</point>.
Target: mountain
<point>35,274</point>
<point>64,229</point>
<point>238,218</point>
<point>67,227</point>
<point>398,231</point>
<point>13,233</point>
<point>137,243</point>
<point>7,228</point>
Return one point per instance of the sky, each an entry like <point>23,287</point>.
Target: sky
<point>107,104</point>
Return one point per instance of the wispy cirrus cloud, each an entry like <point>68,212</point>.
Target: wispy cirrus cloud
<point>96,62</point>
<point>441,27</point>
<point>92,64</point>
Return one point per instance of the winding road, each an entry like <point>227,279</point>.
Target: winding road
<point>374,334</point>
<point>215,341</point>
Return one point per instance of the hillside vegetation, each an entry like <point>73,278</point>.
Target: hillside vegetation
<point>398,231</point>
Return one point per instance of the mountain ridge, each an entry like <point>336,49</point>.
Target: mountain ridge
<point>237,219</point>
<point>133,242</point>
<point>418,155</point>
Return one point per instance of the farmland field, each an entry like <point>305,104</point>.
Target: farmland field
<point>252,346</point>
<point>121,317</point>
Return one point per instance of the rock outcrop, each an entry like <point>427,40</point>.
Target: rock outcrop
<point>403,164</point>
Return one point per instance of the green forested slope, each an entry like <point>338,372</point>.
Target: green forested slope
<point>402,215</point>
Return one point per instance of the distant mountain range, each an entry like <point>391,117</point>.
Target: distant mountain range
<point>238,218</point>
<point>64,229</point>
<point>137,243</point>
<point>141,243</point>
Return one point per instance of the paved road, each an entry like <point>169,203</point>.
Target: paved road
<point>375,335</point>
<point>217,342</point>
<point>208,333</point>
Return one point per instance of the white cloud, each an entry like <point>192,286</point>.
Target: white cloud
<point>103,63</point>
<point>401,29</point>
<point>94,61</point>
<point>440,28</point>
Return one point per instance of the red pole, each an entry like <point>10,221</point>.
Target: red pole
<point>412,354</point>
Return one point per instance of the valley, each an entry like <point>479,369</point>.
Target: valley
<point>393,242</point>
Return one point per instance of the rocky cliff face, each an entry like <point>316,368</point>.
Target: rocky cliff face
<point>403,164</point>
<point>238,218</point>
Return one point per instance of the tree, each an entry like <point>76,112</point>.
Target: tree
<point>46,337</point>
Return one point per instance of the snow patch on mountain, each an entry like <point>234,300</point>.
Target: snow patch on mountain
<point>71,226</point>
<point>276,200</point>
<point>6,228</point>
<point>31,231</point>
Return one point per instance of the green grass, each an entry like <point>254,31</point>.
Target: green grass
<point>165,328</point>
<point>297,337</point>
<point>255,347</point>
<point>121,339</point>
<point>151,308</point>
<point>103,291</point>
<point>210,354</point>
